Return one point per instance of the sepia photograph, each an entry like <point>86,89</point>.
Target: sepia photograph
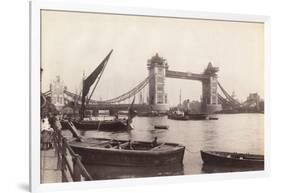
<point>134,96</point>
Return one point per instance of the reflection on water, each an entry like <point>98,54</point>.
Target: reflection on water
<point>232,132</point>
<point>223,168</point>
<point>102,172</point>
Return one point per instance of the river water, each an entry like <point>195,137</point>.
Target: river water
<point>231,132</point>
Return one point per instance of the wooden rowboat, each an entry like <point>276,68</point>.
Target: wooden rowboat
<point>124,152</point>
<point>127,153</point>
<point>232,159</point>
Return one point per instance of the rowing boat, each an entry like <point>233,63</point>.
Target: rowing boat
<point>127,153</point>
<point>232,159</point>
<point>124,152</point>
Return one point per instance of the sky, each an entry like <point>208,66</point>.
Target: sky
<point>73,43</point>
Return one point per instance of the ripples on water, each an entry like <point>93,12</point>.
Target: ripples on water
<point>232,132</point>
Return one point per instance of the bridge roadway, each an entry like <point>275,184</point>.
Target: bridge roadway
<point>118,107</point>
<point>186,75</point>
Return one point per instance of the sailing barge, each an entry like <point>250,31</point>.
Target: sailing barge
<point>111,125</point>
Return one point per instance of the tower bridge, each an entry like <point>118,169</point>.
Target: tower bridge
<point>157,93</point>
<point>158,72</point>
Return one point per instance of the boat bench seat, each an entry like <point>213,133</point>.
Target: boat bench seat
<point>161,146</point>
<point>122,145</point>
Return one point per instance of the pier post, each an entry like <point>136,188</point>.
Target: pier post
<point>76,168</point>
<point>63,161</point>
<point>58,150</point>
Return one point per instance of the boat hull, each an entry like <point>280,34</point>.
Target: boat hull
<point>234,159</point>
<point>197,116</point>
<point>189,117</point>
<point>161,127</point>
<point>213,118</point>
<point>110,125</point>
<point>136,158</point>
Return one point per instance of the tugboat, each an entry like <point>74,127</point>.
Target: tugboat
<point>184,116</point>
<point>183,112</point>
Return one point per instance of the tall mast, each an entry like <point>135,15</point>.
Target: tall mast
<point>180,97</point>
<point>89,81</point>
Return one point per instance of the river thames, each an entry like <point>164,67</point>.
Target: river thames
<point>231,132</point>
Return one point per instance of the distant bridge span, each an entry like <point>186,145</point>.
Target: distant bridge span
<point>186,75</point>
<point>118,107</point>
<point>157,97</point>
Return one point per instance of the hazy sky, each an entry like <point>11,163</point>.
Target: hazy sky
<point>73,43</point>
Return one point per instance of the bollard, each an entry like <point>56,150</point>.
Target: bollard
<point>76,169</point>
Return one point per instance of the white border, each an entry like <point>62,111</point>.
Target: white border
<point>35,8</point>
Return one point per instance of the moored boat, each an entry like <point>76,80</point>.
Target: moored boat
<point>186,117</point>
<point>125,152</point>
<point>232,159</point>
<point>103,125</point>
<point>161,126</point>
<point>199,116</point>
<point>177,117</point>
<point>150,114</point>
<point>213,118</point>
<point>128,153</point>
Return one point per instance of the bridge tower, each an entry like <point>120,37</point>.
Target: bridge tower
<point>57,93</point>
<point>210,102</point>
<point>157,98</point>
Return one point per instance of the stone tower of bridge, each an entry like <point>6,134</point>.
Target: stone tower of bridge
<point>210,102</point>
<point>157,66</point>
<point>57,93</point>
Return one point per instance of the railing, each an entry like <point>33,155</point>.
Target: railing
<point>74,168</point>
